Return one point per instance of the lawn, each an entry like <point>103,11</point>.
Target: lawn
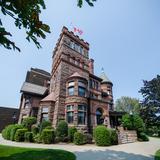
<point>157,156</point>
<point>18,153</point>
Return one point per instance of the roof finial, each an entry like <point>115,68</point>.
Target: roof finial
<point>102,69</point>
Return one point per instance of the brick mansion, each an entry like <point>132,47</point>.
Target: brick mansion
<point>71,92</point>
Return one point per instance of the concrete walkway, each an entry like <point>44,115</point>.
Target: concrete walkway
<point>132,151</point>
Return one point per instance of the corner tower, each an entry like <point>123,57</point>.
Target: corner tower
<point>70,68</point>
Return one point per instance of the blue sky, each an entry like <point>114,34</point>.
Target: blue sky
<point>124,37</point>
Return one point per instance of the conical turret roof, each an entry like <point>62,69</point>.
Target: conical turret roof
<point>104,77</point>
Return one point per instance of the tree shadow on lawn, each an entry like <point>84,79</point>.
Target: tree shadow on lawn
<point>47,154</point>
<point>110,155</point>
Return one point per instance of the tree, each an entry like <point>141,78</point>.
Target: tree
<point>127,104</point>
<point>150,110</point>
<point>26,15</point>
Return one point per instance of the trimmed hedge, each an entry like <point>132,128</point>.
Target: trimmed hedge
<point>102,136</point>
<point>62,130</point>
<point>47,136</point>
<point>114,137</point>
<point>79,138</point>
<point>13,131</point>
<point>71,132</point>
<point>6,133</point>
<point>19,136</point>
<point>28,122</point>
<point>45,124</point>
<point>28,136</point>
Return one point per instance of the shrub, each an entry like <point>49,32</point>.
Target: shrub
<point>13,131</point>
<point>34,129</point>
<point>158,133</point>
<point>37,138</point>
<point>28,136</point>
<point>79,138</point>
<point>152,131</point>
<point>47,136</point>
<point>28,122</point>
<point>49,127</point>
<point>71,132</point>
<point>102,136</point>
<point>62,130</point>
<point>143,137</point>
<point>89,138</point>
<point>114,137</point>
<point>134,122</point>
<point>45,124</point>
<point>6,133</point>
<point>19,136</point>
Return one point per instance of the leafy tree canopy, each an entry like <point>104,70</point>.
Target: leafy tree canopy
<point>26,15</point>
<point>151,103</point>
<point>127,104</point>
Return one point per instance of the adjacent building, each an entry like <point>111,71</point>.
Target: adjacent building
<point>72,91</point>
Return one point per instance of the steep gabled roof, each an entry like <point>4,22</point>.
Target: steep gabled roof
<point>33,88</point>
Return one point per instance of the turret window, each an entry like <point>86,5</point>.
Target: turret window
<point>44,115</point>
<point>81,91</point>
<point>81,114</point>
<point>70,113</point>
<point>71,91</point>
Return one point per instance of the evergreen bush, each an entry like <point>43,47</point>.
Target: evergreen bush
<point>45,124</point>
<point>143,137</point>
<point>71,132</point>
<point>35,129</point>
<point>62,130</point>
<point>28,136</point>
<point>19,136</point>
<point>37,138</point>
<point>13,131</point>
<point>79,138</point>
<point>114,137</point>
<point>28,122</point>
<point>48,136</point>
<point>6,133</point>
<point>102,136</point>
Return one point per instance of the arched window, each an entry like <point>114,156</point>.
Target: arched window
<point>70,113</point>
<point>99,116</point>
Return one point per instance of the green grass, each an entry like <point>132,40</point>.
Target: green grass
<point>18,153</point>
<point>157,156</point>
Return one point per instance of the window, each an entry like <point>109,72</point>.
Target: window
<point>81,114</point>
<point>81,50</point>
<point>71,91</point>
<point>44,115</point>
<point>81,83</point>
<point>81,91</point>
<point>72,44</point>
<point>71,83</point>
<point>27,104</point>
<point>70,113</point>
<point>93,84</point>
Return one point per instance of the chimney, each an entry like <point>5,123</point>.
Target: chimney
<point>91,66</point>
